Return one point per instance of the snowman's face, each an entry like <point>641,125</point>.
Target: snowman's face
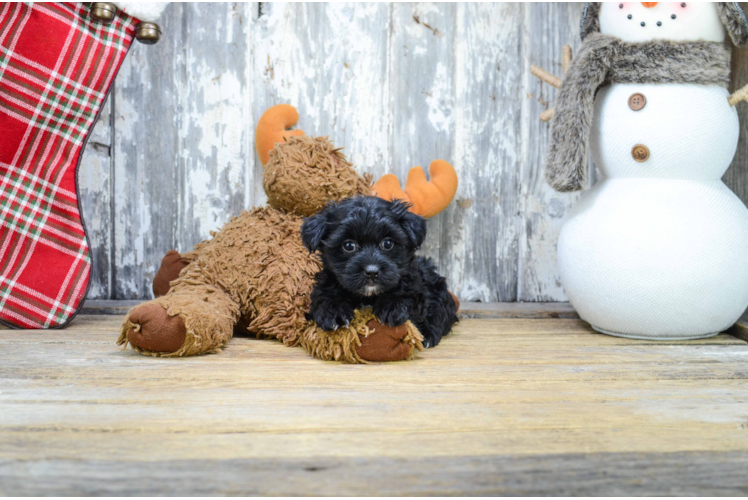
<point>678,21</point>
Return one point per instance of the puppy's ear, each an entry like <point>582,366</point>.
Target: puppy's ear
<point>315,228</point>
<point>415,228</point>
<point>413,225</point>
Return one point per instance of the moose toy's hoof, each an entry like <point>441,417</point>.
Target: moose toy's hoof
<point>363,341</point>
<point>149,328</point>
<point>171,265</point>
<point>385,343</point>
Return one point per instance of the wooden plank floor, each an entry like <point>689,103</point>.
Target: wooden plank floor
<point>502,406</point>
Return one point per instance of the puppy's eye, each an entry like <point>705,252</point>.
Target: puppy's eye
<point>387,244</point>
<point>349,246</point>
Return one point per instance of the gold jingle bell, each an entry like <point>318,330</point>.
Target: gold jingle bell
<point>103,12</point>
<point>148,33</point>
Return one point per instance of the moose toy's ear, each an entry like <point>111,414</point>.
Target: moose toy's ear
<point>413,224</point>
<point>315,228</point>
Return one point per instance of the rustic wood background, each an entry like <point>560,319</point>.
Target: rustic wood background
<point>397,84</point>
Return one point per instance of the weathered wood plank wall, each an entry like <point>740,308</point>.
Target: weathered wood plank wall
<point>397,84</point>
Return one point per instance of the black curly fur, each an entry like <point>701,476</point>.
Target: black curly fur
<point>394,282</point>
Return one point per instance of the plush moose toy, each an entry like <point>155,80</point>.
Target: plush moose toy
<point>254,275</point>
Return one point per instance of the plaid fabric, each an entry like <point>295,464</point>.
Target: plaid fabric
<point>56,67</point>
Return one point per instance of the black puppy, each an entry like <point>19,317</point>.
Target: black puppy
<point>368,247</point>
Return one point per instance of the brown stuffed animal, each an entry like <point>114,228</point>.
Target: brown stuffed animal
<point>255,275</point>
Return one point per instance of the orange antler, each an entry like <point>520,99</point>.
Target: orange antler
<point>272,128</point>
<point>427,198</point>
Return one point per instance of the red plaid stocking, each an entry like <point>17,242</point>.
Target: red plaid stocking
<point>56,67</point>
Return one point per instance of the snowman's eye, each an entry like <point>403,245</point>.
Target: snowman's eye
<point>659,23</point>
<point>643,23</point>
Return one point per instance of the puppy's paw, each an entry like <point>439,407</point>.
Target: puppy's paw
<point>333,317</point>
<point>430,341</point>
<point>392,313</point>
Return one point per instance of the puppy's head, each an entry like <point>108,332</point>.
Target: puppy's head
<point>367,242</point>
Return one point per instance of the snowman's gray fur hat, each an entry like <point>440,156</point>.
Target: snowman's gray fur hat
<point>730,13</point>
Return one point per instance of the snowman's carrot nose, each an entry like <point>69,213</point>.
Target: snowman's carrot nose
<point>649,5</point>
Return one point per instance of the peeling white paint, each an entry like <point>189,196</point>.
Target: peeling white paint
<point>397,85</point>
<point>212,133</point>
<point>330,72</point>
<point>440,101</point>
<point>473,290</point>
<point>542,207</point>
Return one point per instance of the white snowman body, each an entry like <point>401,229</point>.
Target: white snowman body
<point>658,249</point>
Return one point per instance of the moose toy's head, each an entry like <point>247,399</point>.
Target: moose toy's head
<point>677,21</point>
<point>302,173</point>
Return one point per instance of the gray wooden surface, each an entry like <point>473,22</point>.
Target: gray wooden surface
<point>501,407</point>
<point>696,473</point>
<point>397,84</point>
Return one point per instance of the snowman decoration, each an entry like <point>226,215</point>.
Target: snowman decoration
<point>658,249</point>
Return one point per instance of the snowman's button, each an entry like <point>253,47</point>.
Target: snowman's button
<point>640,153</point>
<point>637,101</point>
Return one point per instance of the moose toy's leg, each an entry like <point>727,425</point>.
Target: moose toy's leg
<point>386,343</point>
<point>195,317</point>
<point>171,265</point>
<point>364,340</point>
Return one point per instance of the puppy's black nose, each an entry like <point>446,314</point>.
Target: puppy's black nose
<point>372,271</point>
